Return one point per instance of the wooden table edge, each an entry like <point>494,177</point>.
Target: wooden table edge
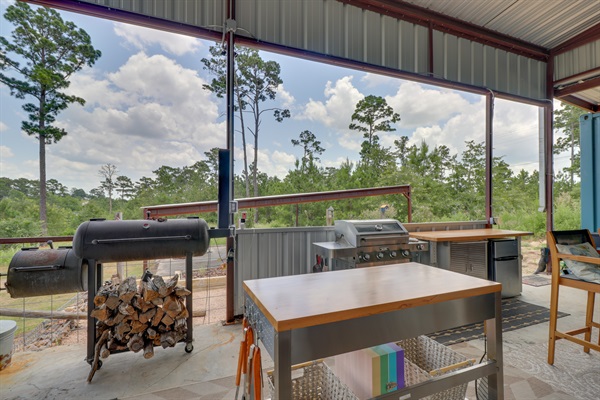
<point>430,235</point>
<point>305,322</point>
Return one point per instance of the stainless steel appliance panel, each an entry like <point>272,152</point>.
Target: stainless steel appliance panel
<point>505,265</point>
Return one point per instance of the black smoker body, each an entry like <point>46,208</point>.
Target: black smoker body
<point>33,272</point>
<point>98,241</point>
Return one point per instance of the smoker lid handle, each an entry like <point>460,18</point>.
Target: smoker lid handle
<point>38,268</point>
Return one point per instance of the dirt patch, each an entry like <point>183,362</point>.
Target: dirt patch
<point>530,249</point>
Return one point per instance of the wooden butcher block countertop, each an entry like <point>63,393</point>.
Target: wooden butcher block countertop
<point>298,301</point>
<point>467,235</point>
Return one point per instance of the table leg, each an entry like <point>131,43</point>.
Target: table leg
<point>494,351</point>
<point>283,365</point>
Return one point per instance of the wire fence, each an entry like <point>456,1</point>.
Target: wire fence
<point>36,333</point>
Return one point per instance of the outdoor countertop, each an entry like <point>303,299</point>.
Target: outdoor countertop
<point>467,235</point>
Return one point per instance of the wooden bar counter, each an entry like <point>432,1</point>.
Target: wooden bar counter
<point>307,317</point>
<point>467,235</point>
<point>471,252</point>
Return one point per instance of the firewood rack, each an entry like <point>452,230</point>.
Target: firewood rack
<point>95,280</point>
<point>99,241</point>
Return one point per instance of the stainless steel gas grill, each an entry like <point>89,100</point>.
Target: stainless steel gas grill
<point>366,243</point>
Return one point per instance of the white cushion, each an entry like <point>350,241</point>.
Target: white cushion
<point>582,270</point>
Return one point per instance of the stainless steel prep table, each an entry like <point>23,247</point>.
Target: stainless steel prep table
<point>306,317</point>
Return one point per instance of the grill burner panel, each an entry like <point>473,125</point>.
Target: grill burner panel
<point>366,243</point>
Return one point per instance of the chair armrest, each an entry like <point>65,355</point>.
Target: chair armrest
<point>590,260</point>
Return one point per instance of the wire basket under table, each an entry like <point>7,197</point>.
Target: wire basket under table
<point>424,358</point>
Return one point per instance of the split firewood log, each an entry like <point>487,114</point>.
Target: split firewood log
<point>148,349</point>
<point>135,343</point>
<point>149,291</point>
<point>168,339</point>
<point>100,313</point>
<point>147,316</point>
<point>138,317</point>
<point>138,327</point>
<point>157,317</point>
<point>97,348</point>
<point>182,292</point>
<point>126,309</point>
<point>112,301</point>
<point>167,320</point>
<point>160,285</point>
<point>127,289</point>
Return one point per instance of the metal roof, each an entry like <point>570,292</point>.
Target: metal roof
<point>544,23</point>
<point>526,50</point>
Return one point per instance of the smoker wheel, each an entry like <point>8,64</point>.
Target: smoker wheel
<point>189,347</point>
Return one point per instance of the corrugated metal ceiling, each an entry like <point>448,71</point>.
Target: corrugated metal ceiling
<point>544,23</point>
<point>505,45</point>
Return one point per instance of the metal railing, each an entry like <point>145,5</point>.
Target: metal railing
<point>45,321</point>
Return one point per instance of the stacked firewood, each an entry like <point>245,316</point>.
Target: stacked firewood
<point>140,317</point>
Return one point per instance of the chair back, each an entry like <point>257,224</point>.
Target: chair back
<point>572,237</point>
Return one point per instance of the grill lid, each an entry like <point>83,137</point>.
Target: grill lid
<point>365,232</point>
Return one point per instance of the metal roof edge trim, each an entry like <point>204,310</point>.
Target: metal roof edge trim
<point>118,15</point>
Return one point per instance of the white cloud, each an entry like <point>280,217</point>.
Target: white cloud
<point>272,162</point>
<point>336,111</point>
<point>5,152</point>
<point>286,97</point>
<point>420,105</point>
<point>514,132</point>
<point>374,80</point>
<point>467,125</point>
<point>141,38</point>
<point>3,126</point>
<point>336,163</point>
<point>149,113</point>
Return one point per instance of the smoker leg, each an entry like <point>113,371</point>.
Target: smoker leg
<point>93,280</point>
<point>189,303</point>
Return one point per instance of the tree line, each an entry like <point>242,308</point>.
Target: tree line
<point>445,187</point>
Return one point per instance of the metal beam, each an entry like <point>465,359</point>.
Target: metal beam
<point>441,22</point>
<point>578,76</point>
<point>578,87</point>
<point>270,201</point>
<point>114,14</point>
<point>155,23</point>
<point>549,140</point>
<point>230,96</point>
<point>576,101</point>
<point>588,36</point>
<point>394,73</point>
<point>489,145</point>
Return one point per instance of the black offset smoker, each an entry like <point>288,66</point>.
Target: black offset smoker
<point>98,241</point>
<point>34,272</point>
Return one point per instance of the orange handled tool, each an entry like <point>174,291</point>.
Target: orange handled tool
<point>249,339</point>
<point>238,376</point>
<point>257,374</point>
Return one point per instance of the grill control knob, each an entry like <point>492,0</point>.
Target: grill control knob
<point>393,254</point>
<point>366,257</point>
<point>420,247</point>
<point>405,253</point>
<point>379,255</point>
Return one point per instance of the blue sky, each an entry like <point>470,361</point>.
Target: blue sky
<point>146,108</point>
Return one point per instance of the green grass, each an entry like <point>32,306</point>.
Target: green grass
<point>50,302</point>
